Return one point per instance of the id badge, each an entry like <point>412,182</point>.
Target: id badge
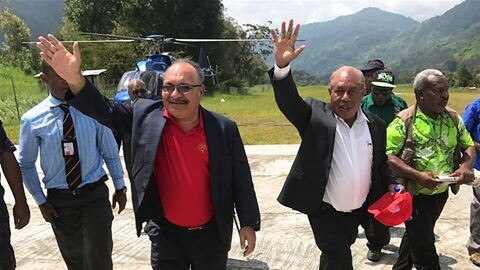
<point>68,148</point>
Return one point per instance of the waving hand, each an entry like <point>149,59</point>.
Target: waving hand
<point>284,46</point>
<point>65,64</point>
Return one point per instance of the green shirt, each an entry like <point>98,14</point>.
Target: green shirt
<point>434,142</point>
<point>388,111</point>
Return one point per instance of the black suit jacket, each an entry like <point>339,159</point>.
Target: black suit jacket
<point>305,184</point>
<point>123,133</point>
<point>231,180</point>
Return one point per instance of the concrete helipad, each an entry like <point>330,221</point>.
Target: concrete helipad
<point>285,241</point>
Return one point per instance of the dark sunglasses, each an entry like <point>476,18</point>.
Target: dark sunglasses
<point>181,88</point>
<point>381,92</point>
<point>139,91</point>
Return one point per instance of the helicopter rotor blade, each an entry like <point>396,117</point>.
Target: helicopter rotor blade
<point>193,40</point>
<point>91,41</point>
<point>112,36</point>
<point>184,44</point>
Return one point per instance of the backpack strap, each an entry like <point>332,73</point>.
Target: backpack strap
<point>408,118</point>
<point>408,151</point>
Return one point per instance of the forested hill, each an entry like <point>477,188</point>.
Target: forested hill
<point>41,16</point>
<point>340,41</point>
<point>445,42</point>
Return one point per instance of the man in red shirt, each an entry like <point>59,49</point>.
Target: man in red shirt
<point>189,165</point>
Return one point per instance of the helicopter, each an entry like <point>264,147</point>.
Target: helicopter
<point>156,61</point>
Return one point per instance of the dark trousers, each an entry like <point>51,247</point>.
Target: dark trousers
<point>7,257</point>
<point>473,244</point>
<point>377,234</point>
<point>178,249</point>
<point>418,242</point>
<point>83,229</point>
<point>334,233</point>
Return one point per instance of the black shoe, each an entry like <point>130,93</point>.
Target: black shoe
<point>374,255</point>
<point>475,258</point>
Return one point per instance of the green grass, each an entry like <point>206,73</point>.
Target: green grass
<point>259,119</point>
<point>29,92</point>
<point>261,122</point>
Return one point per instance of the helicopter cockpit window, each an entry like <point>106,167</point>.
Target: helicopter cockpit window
<point>126,78</point>
<point>160,62</point>
<point>161,66</point>
<point>150,79</point>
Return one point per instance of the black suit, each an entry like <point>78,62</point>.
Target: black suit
<point>231,181</point>
<point>305,185</point>
<point>123,133</point>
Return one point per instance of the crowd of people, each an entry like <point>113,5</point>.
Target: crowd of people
<point>189,173</point>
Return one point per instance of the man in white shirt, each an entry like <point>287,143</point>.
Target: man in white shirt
<point>341,167</point>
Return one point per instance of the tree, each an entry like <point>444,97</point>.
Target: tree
<point>303,78</point>
<point>463,77</point>
<point>173,18</point>
<point>243,62</point>
<point>13,51</point>
<point>96,16</point>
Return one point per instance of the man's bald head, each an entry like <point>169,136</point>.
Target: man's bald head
<point>346,71</point>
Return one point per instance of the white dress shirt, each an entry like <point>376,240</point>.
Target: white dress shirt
<point>351,169</point>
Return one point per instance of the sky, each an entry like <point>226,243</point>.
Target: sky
<point>263,11</point>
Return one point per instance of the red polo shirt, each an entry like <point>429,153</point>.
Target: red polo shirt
<point>182,174</point>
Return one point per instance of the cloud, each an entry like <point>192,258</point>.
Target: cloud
<point>261,11</point>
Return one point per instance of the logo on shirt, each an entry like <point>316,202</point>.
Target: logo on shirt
<point>202,147</point>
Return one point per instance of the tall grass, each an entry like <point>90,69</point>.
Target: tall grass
<point>28,91</point>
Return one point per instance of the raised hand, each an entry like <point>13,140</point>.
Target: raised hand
<point>65,64</point>
<point>284,46</point>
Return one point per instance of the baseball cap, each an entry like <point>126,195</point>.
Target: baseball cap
<point>392,209</point>
<point>373,64</point>
<point>384,78</point>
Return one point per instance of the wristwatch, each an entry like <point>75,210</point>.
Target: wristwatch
<point>123,190</point>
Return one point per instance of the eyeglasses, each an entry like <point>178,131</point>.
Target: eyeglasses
<point>181,88</point>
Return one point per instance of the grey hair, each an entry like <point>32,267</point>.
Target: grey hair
<point>348,68</point>
<point>195,65</point>
<point>421,80</point>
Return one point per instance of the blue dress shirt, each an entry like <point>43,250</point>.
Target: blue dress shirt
<point>471,119</point>
<point>41,128</point>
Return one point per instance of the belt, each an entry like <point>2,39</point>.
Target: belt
<point>80,190</point>
<point>165,224</point>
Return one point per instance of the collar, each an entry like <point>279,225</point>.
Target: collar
<point>51,101</point>
<point>361,117</point>
<point>368,100</point>
<point>442,115</point>
<point>198,127</point>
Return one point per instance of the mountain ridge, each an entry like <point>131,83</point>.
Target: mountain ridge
<point>407,46</point>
